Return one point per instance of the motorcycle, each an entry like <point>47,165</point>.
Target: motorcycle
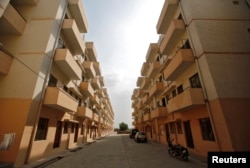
<point>177,151</point>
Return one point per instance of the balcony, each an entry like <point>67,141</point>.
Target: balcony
<point>97,68</point>
<point>5,63</point>
<point>95,117</point>
<point>12,23</point>
<point>65,61</point>
<point>154,68</point>
<point>189,98</point>
<point>167,13</point>
<point>100,93</point>
<point>156,88</point>
<point>146,99</point>
<point>89,68</point>
<point>91,51</point>
<point>175,31</point>
<point>138,92</point>
<point>101,80</point>
<point>145,83</point>
<point>57,98</point>
<point>95,83</point>
<point>147,117</point>
<point>179,64</point>
<point>83,111</point>
<point>139,81</point>
<point>159,112</point>
<point>77,12</point>
<point>144,69</point>
<point>72,36</point>
<point>153,50</point>
<point>95,99</point>
<point>24,2</point>
<point>86,89</point>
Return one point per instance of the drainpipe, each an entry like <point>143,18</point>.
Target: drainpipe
<point>201,77</point>
<point>44,86</point>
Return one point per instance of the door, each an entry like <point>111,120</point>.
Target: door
<point>58,134</point>
<point>188,132</point>
<point>76,133</point>
<point>167,133</point>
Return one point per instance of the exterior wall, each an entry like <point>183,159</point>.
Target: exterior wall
<point>220,44</point>
<point>21,88</point>
<point>220,40</point>
<point>23,85</point>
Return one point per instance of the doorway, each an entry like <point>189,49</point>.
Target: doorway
<point>76,133</point>
<point>188,132</point>
<point>58,134</point>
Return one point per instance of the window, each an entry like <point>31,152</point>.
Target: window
<point>173,93</point>
<point>180,89</point>
<point>172,127</point>
<point>42,129</point>
<point>195,81</point>
<point>52,80</point>
<point>206,129</point>
<point>163,100</point>
<point>65,127</point>
<point>179,128</point>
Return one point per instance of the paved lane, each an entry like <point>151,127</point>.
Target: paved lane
<point>119,151</point>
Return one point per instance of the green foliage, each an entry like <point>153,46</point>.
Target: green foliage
<point>123,126</point>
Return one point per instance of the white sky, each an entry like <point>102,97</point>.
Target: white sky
<point>122,31</point>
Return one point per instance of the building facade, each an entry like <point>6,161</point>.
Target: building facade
<point>52,92</point>
<point>193,87</point>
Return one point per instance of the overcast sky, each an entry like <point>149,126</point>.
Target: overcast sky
<point>122,31</point>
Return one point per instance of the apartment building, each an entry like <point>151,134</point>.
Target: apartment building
<point>52,92</point>
<point>194,84</point>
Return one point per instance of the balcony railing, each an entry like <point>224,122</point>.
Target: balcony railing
<point>190,97</point>
<point>156,88</point>
<point>167,13</point>
<point>147,117</point>
<point>5,63</point>
<point>86,89</point>
<point>95,117</point>
<point>65,61</point>
<point>12,23</point>
<point>159,112</point>
<point>145,83</point>
<point>91,51</point>
<point>57,98</point>
<point>175,30</point>
<point>95,83</point>
<point>153,49</point>
<point>139,81</point>
<point>146,99</point>
<point>25,2</point>
<point>183,59</point>
<point>72,36</point>
<point>154,68</point>
<point>89,68</point>
<point>144,69</point>
<point>77,12</point>
<point>83,111</point>
<point>97,68</point>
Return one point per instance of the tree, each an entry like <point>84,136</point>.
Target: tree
<point>123,126</point>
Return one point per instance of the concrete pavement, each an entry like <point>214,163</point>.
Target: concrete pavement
<point>119,151</point>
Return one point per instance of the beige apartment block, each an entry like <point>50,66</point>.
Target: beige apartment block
<point>52,92</point>
<point>194,84</point>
